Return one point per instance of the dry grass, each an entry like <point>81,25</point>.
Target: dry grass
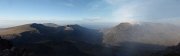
<point>16,30</point>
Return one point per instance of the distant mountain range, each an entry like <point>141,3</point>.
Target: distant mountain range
<point>36,32</point>
<point>124,39</point>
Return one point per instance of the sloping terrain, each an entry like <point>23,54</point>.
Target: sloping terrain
<point>170,51</point>
<point>12,32</point>
<point>141,39</point>
<point>148,33</point>
<point>50,48</point>
<point>28,32</point>
<point>125,39</point>
<point>43,40</point>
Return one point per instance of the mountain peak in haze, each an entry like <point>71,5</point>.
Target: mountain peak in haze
<point>124,26</point>
<point>149,33</point>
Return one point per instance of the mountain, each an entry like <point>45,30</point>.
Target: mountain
<point>45,40</point>
<point>141,39</point>
<point>51,24</point>
<point>125,39</point>
<point>36,32</point>
<point>148,33</point>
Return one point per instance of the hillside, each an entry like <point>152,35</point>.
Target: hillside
<point>54,40</point>
<point>142,39</point>
<point>148,33</point>
<point>125,39</point>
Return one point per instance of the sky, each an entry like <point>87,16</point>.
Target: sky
<point>18,12</point>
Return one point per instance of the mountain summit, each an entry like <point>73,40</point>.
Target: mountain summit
<point>149,33</point>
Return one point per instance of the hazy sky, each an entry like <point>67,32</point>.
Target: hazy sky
<point>14,12</point>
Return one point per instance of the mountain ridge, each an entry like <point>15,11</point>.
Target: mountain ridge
<point>150,33</point>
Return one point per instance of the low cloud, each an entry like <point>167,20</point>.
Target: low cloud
<point>145,10</point>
